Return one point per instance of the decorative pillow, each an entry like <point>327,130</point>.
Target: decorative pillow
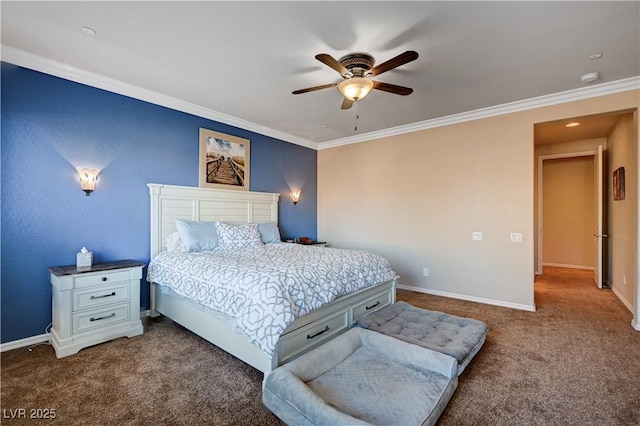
<point>269,232</point>
<point>174,243</point>
<point>197,236</point>
<point>238,236</point>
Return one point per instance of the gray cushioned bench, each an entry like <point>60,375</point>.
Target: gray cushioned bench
<point>362,377</point>
<point>455,336</point>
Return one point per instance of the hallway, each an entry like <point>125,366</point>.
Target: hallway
<point>575,287</point>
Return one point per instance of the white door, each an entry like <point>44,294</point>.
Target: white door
<point>598,235</point>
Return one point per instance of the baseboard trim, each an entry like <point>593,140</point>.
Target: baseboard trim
<point>34,340</point>
<point>635,325</point>
<point>27,341</point>
<point>564,265</point>
<point>530,308</point>
<point>622,299</point>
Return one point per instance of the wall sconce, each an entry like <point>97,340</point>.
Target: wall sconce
<point>88,179</point>
<point>295,195</point>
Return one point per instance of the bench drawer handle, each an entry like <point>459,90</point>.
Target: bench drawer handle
<point>326,328</point>
<point>372,306</point>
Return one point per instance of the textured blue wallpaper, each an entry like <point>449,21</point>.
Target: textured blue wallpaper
<point>50,126</point>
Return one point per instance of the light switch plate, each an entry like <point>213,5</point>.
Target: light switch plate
<point>476,236</point>
<point>516,237</point>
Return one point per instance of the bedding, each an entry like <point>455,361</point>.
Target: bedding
<point>265,288</point>
<point>238,237</point>
<point>197,236</point>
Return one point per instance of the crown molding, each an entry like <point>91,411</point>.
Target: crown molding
<point>58,69</point>
<point>632,83</point>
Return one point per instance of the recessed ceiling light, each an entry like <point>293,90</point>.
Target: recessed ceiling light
<point>595,56</point>
<point>589,77</point>
<point>572,124</point>
<point>88,31</point>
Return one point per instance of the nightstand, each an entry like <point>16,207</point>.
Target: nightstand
<point>312,243</point>
<point>94,304</point>
<point>318,244</point>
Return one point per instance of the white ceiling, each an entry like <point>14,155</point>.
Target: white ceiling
<point>242,60</point>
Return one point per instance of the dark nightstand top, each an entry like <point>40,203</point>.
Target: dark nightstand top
<point>73,269</point>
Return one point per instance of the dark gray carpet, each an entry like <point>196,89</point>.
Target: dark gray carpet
<point>576,361</point>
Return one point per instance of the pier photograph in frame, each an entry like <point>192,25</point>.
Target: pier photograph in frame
<point>224,161</point>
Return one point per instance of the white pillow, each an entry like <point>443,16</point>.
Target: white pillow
<point>174,243</point>
<point>238,236</point>
<point>197,236</point>
<point>269,232</point>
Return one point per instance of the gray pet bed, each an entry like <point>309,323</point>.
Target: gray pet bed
<point>460,338</point>
<point>362,378</point>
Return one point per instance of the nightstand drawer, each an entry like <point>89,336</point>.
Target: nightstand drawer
<point>307,337</point>
<point>96,318</point>
<point>372,304</point>
<point>98,296</point>
<point>102,278</point>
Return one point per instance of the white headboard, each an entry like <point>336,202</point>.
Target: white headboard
<point>170,202</point>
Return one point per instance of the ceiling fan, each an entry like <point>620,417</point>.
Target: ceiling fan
<point>355,69</point>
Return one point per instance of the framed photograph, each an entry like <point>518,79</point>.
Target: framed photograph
<point>224,161</point>
<point>618,184</point>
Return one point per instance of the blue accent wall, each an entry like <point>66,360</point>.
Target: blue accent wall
<point>50,126</point>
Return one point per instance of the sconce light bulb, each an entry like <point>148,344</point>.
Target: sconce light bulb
<point>295,196</point>
<point>88,178</point>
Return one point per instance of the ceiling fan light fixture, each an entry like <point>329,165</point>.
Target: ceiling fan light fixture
<point>355,88</point>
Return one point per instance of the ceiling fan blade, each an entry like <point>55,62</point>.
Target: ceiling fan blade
<point>401,59</point>
<point>330,61</point>
<point>314,88</point>
<point>392,88</point>
<point>346,103</point>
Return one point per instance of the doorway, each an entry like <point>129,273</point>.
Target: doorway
<point>570,212</point>
<point>616,133</point>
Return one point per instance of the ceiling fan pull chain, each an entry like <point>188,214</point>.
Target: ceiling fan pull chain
<point>355,121</point>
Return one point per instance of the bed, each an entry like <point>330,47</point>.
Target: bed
<point>307,328</point>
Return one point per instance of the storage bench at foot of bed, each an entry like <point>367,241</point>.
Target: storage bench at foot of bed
<point>313,330</point>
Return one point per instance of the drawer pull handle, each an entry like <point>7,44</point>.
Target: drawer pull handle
<point>104,278</point>
<point>326,328</point>
<point>113,314</point>
<point>372,306</point>
<point>113,293</point>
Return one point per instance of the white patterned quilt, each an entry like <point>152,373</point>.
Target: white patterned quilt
<point>266,288</point>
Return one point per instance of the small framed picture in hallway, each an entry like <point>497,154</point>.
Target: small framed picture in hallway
<point>618,184</point>
<point>224,161</point>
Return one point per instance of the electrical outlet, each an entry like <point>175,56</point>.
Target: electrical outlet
<point>476,236</point>
<point>425,272</point>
